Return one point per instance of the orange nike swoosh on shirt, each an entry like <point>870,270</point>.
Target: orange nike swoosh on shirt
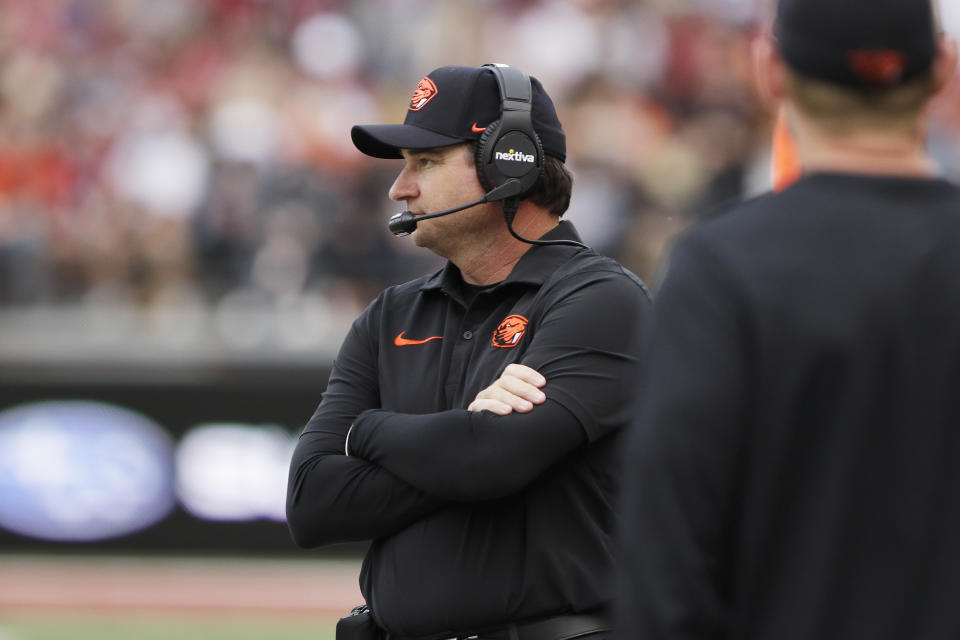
<point>400,341</point>
<point>477,129</point>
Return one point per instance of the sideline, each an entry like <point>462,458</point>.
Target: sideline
<point>98,583</point>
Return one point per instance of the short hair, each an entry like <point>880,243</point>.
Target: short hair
<point>838,110</point>
<point>553,187</point>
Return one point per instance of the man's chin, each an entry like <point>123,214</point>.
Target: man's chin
<point>420,238</point>
<point>423,233</point>
<point>427,238</point>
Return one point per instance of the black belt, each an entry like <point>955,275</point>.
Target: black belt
<point>564,627</point>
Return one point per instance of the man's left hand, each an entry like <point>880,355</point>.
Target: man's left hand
<point>517,389</point>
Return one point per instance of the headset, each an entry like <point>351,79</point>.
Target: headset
<point>510,149</point>
<point>509,156</point>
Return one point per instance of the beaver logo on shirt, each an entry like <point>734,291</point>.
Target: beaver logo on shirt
<point>509,332</point>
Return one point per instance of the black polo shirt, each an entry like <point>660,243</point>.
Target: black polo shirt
<point>795,468</point>
<point>477,519</point>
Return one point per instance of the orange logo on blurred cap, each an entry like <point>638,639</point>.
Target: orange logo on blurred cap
<point>878,68</point>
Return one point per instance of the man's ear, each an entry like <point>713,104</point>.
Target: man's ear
<point>945,64</point>
<point>769,70</point>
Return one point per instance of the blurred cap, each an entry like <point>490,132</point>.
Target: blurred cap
<point>872,44</point>
<point>452,105</point>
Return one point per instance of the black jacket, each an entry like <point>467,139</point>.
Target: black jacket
<point>477,519</point>
<point>795,469</point>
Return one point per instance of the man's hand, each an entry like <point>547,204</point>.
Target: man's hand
<point>517,389</point>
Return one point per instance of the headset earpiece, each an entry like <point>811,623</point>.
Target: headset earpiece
<point>510,149</point>
<point>479,155</point>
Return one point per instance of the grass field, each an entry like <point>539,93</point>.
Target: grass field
<point>61,625</point>
<point>131,598</point>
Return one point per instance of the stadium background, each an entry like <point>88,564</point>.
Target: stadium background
<point>186,233</point>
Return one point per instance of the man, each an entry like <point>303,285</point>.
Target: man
<point>486,400</point>
<point>793,469</point>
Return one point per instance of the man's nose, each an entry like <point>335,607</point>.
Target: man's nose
<point>403,188</point>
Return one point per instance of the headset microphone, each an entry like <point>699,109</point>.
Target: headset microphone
<point>404,223</point>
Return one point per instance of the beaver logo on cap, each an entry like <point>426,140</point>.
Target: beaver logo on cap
<point>423,94</point>
<point>509,332</point>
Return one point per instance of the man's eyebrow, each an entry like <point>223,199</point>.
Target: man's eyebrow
<point>420,152</point>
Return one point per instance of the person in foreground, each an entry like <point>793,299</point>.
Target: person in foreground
<point>793,469</point>
<point>472,420</point>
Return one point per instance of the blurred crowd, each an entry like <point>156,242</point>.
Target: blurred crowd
<point>191,159</point>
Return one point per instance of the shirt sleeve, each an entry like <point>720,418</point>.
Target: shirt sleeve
<point>332,497</point>
<point>682,456</point>
<point>495,451</point>
<point>585,346</point>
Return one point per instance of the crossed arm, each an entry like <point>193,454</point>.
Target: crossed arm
<point>335,498</point>
<point>468,455</point>
<point>517,389</point>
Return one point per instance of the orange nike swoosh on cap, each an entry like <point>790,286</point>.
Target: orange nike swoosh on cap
<point>477,129</point>
<point>400,341</point>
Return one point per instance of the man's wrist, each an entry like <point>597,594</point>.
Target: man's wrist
<point>346,441</point>
<point>355,442</point>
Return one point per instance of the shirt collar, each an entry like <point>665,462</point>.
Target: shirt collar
<point>534,267</point>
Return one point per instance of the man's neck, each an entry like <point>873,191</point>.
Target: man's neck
<point>492,261</point>
<point>867,152</point>
<point>870,159</point>
<point>492,267</point>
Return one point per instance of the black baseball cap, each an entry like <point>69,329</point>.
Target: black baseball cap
<point>870,44</point>
<point>455,104</point>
